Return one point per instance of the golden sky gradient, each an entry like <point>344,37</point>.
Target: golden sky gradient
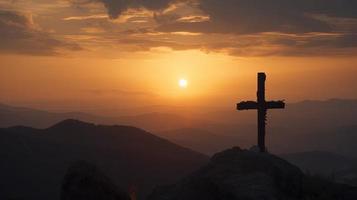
<point>77,54</point>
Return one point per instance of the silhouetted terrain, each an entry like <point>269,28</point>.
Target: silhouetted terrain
<point>240,174</point>
<point>34,161</point>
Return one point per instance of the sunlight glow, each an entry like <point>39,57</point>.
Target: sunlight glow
<point>183,83</point>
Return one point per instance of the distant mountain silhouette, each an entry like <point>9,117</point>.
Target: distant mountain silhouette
<point>240,174</point>
<point>152,121</point>
<point>326,164</point>
<point>158,122</point>
<point>15,116</point>
<point>304,126</point>
<point>155,121</point>
<point>34,161</point>
<point>198,139</point>
<point>340,140</point>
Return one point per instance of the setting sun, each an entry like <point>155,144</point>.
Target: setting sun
<point>183,83</point>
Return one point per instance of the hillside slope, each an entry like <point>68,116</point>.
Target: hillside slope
<point>34,161</point>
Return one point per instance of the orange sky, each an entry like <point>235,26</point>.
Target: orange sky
<point>75,55</point>
<point>219,80</point>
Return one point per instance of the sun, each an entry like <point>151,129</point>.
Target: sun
<point>183,83</point>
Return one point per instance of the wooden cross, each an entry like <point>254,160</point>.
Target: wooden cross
<point>262,106</point>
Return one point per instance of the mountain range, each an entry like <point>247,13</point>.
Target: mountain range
<point>35,163</point>
<point>304,126</point>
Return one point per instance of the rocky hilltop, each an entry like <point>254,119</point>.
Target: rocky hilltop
<point>241,174</point>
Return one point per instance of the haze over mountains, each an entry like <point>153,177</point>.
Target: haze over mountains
<point>330,165</point>
<point>305,126</point>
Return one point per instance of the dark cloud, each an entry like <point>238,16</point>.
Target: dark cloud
<point>20,35</point>
<point>257,16</point>
<point>319,45</point>
<point>295,20</point>
<point>248,27</point>
<point>290,45</point>
<point>270,44</point>
<point>340,41</point>
<point>116,7</point>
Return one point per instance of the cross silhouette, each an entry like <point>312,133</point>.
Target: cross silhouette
<point>262,106</point>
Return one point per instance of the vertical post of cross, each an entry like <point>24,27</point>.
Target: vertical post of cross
<point>262,111</point>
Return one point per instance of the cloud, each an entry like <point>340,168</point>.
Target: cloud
<point>257,16</point>
<point>118,92</point>
<point>317,45</point>
<point>116,7</point>
<point>272,44</point>
<point>238,27</point>
<point>85,17</point>
<point>274,27</point>
<point>142,44</point>
<point>19,34</point>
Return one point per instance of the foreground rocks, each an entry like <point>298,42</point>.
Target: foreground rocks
<point>84,181</point>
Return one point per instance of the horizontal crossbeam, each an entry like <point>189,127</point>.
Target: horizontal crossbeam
<point>247,105</point>
<point>252,105</point>
<point>275,105</point>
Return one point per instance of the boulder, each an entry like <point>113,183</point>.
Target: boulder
<point>83,181</point>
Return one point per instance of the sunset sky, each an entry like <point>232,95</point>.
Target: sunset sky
<point>78,54</point>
